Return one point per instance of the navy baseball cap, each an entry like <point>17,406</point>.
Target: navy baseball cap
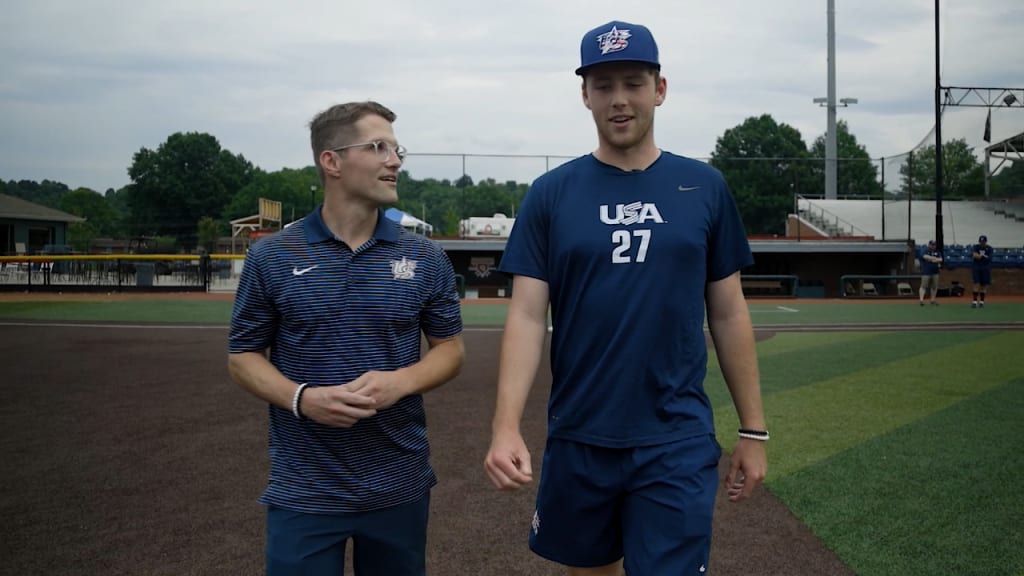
<point>618,41</point>
<point>983,238</point>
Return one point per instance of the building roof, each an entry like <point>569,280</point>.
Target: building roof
<point>14,208</point>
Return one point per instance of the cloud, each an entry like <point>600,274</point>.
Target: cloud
<point>85,85</point>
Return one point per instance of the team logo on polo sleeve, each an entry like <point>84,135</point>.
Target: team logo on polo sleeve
<point>403,269</point>
<point>613,40</point>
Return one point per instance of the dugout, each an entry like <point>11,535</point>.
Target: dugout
<point>782,268</point>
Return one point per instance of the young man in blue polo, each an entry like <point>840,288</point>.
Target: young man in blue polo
<point>326,329</point>
<point>630,245</point>
<point>981,270</point>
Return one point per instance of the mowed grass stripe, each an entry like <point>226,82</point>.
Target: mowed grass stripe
<point>888,312</point>
<point>938,496</point>
<point>781,343</point>
<point>814,422</point>
<point>822,357</point>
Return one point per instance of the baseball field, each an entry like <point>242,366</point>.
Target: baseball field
<point>896,438</point>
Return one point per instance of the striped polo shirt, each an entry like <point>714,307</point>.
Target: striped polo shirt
<point>329,314</point>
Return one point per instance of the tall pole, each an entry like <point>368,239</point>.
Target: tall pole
<point>882,162</point>
<point>830,135</point>
<point>939,158</point>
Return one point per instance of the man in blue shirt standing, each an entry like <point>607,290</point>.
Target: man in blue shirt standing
<point>327,329</point>
<point>630,245</point>
<point>981,270</point>
<point>931,258</point>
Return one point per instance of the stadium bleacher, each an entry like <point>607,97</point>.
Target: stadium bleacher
<point>963,221</point>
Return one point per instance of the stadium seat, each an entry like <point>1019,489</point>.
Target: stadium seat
<point>868,289</point>
<point>904,289</point>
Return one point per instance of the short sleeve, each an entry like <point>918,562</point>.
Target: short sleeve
<point>728,247</point>
<point>442,316</point>
<point>254,318</point>
<point>526,251</point>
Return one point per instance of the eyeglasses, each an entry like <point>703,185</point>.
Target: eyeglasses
<point>380,147</point>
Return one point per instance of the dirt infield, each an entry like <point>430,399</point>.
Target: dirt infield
<point>229,296</point>
<point>128,451</point>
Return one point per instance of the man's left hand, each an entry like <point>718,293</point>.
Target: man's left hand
<point>384,387</point>
<point>749,465</point>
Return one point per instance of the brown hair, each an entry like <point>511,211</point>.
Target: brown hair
<point>336,126</point>
<point>656,72</point>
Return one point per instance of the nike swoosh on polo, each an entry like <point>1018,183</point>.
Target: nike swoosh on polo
<point>688,188</point>
<point>300,271</point>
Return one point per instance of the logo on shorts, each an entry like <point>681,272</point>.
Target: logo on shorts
<point>403,269</point>
<point>536,522</point>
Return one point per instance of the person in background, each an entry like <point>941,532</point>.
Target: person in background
<point>931,260</point>
<point>981,270</point>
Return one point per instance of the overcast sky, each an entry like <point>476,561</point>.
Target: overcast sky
<point>86,84</point>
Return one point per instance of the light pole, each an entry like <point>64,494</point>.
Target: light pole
<point>830,136</point>
<point>832,143</point>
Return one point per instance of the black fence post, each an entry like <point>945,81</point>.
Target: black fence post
<point>205,270</point>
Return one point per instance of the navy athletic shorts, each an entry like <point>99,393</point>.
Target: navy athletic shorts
<point>650,504</point>
<point>389,542</point>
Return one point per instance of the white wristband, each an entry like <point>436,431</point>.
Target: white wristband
<point>296,398</point>
<point>749,436</point>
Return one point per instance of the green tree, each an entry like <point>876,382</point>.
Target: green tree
<point>187,177</point>
<point>45,193</point>
<point>963,175</point>
<point>209,231</point>
<point>81,235</point>
<point>97,211</point>
<point>288,186</point>
<point>764,163</point>
<point>1009,182</point>
<point>856,173</point>
<point>451,222</point>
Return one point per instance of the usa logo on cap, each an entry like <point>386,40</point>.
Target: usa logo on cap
<point>613,40</point>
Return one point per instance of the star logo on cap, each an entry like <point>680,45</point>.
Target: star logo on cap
<point>614,40</point>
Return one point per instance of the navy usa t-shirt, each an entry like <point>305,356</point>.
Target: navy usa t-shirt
<point>627,256</point>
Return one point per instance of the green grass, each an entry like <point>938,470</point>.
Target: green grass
<point>940,495</point>
<point>903,312</point>
<point>186,311</point>
<point>900,450</point>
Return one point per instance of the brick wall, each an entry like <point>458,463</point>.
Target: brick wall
<point>1004,281</point>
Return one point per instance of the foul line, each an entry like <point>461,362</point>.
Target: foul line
<point>785,309</point>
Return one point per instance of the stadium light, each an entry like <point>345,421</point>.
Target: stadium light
<point>1009,100</point>
<point>847,101</point>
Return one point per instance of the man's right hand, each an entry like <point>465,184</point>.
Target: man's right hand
<point>335,406</point>
<point>508,461</point>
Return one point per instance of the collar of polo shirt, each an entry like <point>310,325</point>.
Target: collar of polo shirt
<point>316,231</point>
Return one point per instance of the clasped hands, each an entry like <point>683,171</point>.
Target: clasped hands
<point>346,404</point>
